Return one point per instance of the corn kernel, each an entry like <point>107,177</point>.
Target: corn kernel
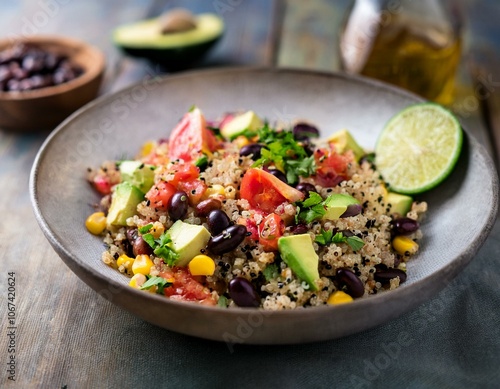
<point>404,245</point>
<point>339,297</point>
<point>147,148</point>
<point>157,230</point>
<point>142,264</point>
<point>125,261</point>
<point>137,281</point>
<point>96,223</point>
<point>214,191</point>
<point>241,141</point>
<point>202,265</point>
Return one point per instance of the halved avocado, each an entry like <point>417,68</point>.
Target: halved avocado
<point>174,50</point>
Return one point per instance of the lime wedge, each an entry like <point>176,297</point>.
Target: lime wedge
<point>418,148</point>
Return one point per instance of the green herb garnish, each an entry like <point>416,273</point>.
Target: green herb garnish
<point>270,272</point>
<point>145,229</point>
<point>162,247</point>
<point>222,302</point>
<point>160,282</point>
<point>202,162</point>
<point>327,237</point>
<point>311,209</point>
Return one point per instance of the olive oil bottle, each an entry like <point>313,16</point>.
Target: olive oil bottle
<point>415,44</point>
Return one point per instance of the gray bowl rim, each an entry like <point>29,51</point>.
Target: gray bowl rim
<point>446,273</point>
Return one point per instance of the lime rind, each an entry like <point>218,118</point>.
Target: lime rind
<point>418,148</point>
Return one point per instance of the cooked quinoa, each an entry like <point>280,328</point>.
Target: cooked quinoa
<point>275,285</point>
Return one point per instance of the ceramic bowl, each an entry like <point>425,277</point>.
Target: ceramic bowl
<point>45,108</point>
<point>112,126</point>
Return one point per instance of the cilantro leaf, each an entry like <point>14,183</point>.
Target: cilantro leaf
<point>355,243</point>
<point>222,302</point>
<point>270,272</point>
<point>145,229</point>
<point>324,238</point>
<point>160,282</point>
<point>338,238</point>
<point>161,247</point>
<point>313,199</point>
<point>201,162</point>
<point>150,240</point>
<point>312,214</point>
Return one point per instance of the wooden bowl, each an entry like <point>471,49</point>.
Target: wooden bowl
<point>45,108</point>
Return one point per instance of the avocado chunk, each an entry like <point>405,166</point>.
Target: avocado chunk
<point>337,204</point>
<point>124,203</point>
<point>298,252</point>
<point>343,141</point>
<point>239,124</point>
<point>138,174</point>
<point>175,50</point>
<point>400,204</point>
<point>187,240</point>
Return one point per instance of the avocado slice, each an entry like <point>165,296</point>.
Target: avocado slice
<point>187,240</point>
<point>175,50</point>
<point>124,203</point>
<point>247,121</point>
<point>298,252</point>
<point>336,204</point>
<point>343,141</point>
<point>400,204</point>
<point>138,174</point>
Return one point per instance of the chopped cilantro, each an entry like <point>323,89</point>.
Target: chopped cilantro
<point>162,247</point>
<point>145,229</point>
<point>270,272</point>
<point>284,152</point>
<point>202,162</point>
<point>160,282</point>
<point>311,208</point>
<point>313,199</point>
<point>326,238</point>
<point>222,302</point>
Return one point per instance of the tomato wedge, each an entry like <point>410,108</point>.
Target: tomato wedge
<point>160,194</point>
<point>270,230</point>
<point>264,191</point>
<point>191,137</point>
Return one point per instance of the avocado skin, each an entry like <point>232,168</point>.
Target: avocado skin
<point>176,58</point>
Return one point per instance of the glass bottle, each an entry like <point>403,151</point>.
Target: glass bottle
<point>415,44</point>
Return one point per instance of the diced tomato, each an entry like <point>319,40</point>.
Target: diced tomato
<point>331,167</point>
<point>251,226</point>
<point>102,184</point>
<point>183,172</point>
<point>191,137</point>
<point>270,230</point>
<point>264,191</point>
<point>160,194</point>
<point>185,287</point>
<point>194,189</point>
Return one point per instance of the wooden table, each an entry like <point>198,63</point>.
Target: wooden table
<point>66,335</point>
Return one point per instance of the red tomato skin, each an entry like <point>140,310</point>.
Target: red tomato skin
<point>102,184</point>
<point>195,190</point>
<point>160,194</point>
<point>270,230</point>
<point>185,287</point>
<point>265,192</point>
<point>251,226</point>
<point>331,167</point>
<point>191,137</point>
<point>184,172</point>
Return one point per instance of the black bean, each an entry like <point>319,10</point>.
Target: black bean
<point>299,229</point>
<point>305,188</point>
<point>353,284</point>
<point>227,240</point>
<point>140,246</point>
<point>217,221</point>
<point>279,174</point>
<point>243,293</point>
<point>352,210</point>
<point>206,206</point>
<point>304,131</point>
<point>253,149</point>
<point>132,234</point>
<point>178,205</point>
<point>405,226</point>
<point>384,276</point>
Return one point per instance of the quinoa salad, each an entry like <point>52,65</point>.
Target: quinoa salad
<point>243,212</point>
